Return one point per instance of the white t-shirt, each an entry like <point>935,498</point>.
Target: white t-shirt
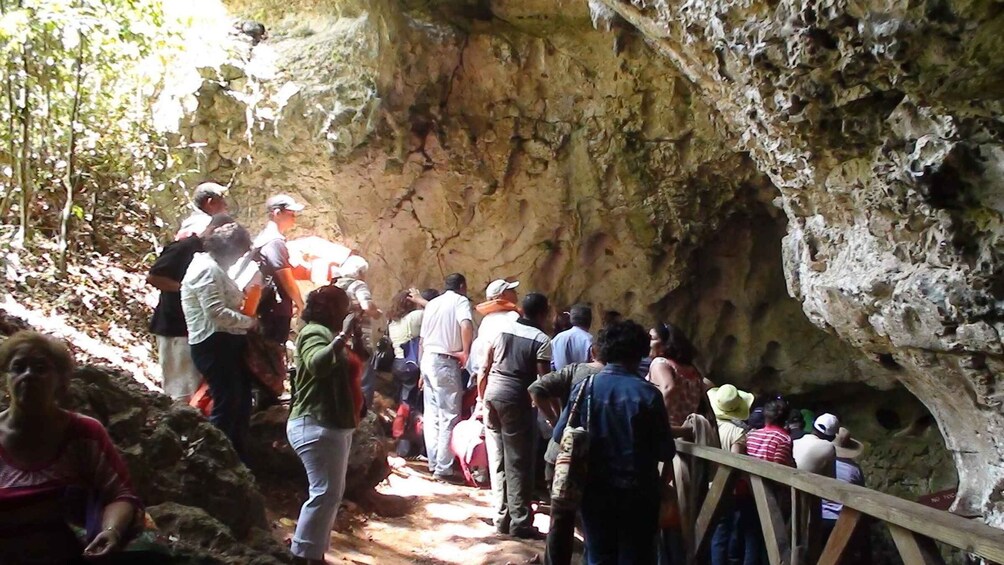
<point>815,455</point>
<point>490,328</point>
<point>441,323</point>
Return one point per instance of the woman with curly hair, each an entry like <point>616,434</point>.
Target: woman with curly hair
<point>327,404</point>
<point>56,465</point>
<point>403,328</point>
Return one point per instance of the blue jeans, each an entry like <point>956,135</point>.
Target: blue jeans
<point>325,455</point>
<point>221,360</point>
<point>737,536</point>
<point>443,392</point>
<point>620,525</point>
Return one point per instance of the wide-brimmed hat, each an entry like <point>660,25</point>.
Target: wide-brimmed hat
<point>847,447</point>
<point>729,402</point>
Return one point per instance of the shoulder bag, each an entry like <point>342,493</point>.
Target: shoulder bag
<point>570,467</point>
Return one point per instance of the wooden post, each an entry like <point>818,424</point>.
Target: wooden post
<point>795,524</point>
<point>721,490</point>
<point>915,549</point>
<point>775,536</point>
<point>811,525</point>
<point>842,533</point>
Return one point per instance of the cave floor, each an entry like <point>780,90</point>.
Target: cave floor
<point>422,521</point>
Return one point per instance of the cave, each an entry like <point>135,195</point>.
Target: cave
<point>821,233</point>
<point>813,192</point>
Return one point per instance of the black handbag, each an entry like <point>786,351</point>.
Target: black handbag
<point>383,358</point>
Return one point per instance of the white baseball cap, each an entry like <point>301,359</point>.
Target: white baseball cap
<point>283,202</point>
<point>827,424</point>
<point>496,288</point>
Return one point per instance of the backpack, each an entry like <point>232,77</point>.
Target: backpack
<point>269,289</point>
<point>467,443</point>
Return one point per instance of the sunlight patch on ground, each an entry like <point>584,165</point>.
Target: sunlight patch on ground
<point>447,524</point>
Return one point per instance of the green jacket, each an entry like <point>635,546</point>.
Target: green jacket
<point>322,387</point>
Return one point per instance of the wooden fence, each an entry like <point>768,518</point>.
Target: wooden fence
<point>792,534</point>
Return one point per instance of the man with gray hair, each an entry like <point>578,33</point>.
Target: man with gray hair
<point>208,200</point>
<point>574,345</point>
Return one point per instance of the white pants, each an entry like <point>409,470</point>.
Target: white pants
<point>181,378</point>
<point>325,455</point>
<point>442,396</point>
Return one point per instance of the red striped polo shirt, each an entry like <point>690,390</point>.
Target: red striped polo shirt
<point>770,444</point>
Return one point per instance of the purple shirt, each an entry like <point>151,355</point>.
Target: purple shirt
<point>570,346</point>
<point>848,472</point>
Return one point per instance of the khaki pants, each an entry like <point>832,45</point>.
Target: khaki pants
<point>181,378</point>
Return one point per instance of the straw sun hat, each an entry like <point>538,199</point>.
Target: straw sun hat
<point>847,447</point>
<point>728,402</point>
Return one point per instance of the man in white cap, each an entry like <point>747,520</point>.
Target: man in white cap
<point>499,311</point>
<point>815,452</point>
<point>280,294</point>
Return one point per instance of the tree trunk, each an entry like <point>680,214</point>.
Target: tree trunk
<point>25,174</point>
<point>24,230</point>
<point>11,127</point>
<point>70,180</point>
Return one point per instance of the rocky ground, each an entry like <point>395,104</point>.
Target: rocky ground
<point>442,524</point>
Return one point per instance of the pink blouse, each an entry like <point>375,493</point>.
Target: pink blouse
<point>85,476</point>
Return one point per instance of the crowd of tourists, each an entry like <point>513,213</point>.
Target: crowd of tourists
<point>511,401</point>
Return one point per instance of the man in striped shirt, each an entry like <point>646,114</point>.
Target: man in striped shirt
<point>772,442</point>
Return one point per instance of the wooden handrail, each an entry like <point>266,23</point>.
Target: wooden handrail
<point>969,535</point>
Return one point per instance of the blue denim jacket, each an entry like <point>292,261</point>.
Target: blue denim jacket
<point>628,429</point>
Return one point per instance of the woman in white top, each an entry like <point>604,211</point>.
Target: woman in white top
<point>403,328</point>
<point>217,329</point>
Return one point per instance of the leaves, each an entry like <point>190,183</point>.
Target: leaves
<point>81,69</point>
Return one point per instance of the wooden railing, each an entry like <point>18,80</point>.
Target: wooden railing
<point>792,535</point>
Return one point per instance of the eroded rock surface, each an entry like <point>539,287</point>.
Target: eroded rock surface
<point>878,126</point>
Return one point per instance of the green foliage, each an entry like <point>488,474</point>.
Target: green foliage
<point>77,146</point>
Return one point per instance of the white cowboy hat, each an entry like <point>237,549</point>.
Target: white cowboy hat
<point>729,402</point>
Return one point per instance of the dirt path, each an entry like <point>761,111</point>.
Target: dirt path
<point>441,524</point>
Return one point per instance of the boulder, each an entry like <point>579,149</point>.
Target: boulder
<point>272,459</point>
<point>183,469</point>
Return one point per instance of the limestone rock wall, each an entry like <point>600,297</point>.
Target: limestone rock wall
<point>878,124</point>
<point>547,153</point>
